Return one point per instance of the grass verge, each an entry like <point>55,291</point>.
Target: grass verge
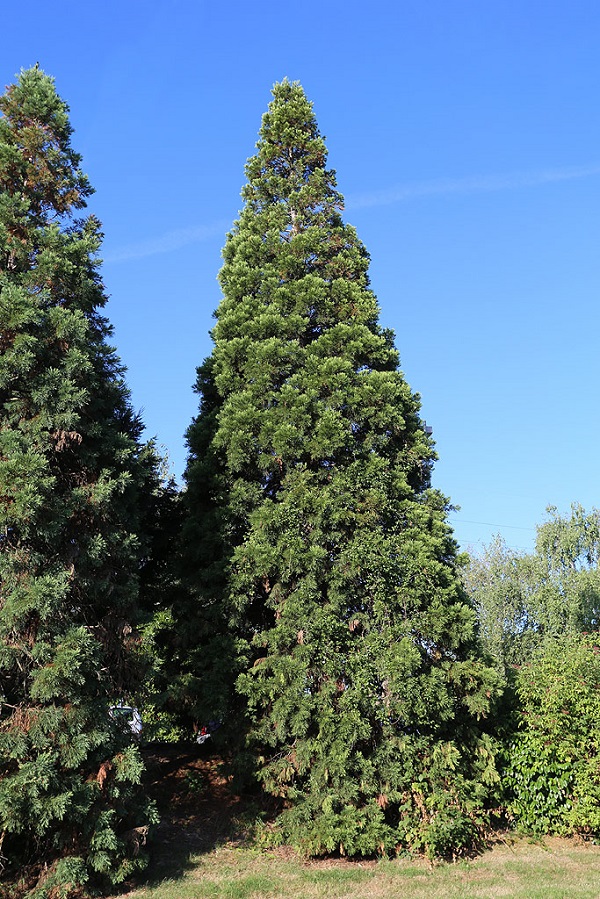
<point>204,849</point>
<point>557,869</point>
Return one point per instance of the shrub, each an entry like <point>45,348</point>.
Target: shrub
<point>552,772</point>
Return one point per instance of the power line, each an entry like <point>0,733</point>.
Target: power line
<point>492,524</point>
<point>465,542</point>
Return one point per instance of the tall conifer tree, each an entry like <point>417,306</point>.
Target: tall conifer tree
<point>332,562</point>
<point>73,480</point>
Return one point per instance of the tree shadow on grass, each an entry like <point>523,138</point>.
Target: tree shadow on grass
<point>198,809</point>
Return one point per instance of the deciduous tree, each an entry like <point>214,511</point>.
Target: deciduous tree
<point>524,599</point>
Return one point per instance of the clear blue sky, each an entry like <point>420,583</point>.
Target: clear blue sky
<point>466,139</point>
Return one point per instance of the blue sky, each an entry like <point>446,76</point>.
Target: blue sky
<point>466,140</point>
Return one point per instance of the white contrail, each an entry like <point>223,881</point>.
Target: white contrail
<point>471,184</point>
<point>171,240</point>
<point>182,237</point>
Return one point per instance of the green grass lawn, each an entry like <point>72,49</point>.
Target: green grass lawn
<point>205,848</point>
<point>558,869</point>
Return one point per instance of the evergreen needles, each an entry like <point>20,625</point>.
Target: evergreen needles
<point>73,477</point>
<point>331,600</point>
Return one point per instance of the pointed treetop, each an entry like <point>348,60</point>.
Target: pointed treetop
<point>290,114</point>
<point>37,159</point>
<point>290,163</point>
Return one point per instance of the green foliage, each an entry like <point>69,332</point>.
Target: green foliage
<point>524,598</point>
<point>552,773</point>
<point>567,597</point>
<point>196,782</point>
<point>75,484</point>
<point>326,607</point>
<point>157,694</point>
<point>533,608</point>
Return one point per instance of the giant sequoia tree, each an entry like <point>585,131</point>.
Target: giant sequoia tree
<point>73,479</point>
<point>332,565</point>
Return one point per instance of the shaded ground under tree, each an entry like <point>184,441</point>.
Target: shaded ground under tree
<point>198,807</point>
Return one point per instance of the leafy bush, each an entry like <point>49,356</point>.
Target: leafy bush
<point>552,773</point>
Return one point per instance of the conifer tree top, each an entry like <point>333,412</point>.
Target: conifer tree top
<point>36,159</point>
<point>291,158</point>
